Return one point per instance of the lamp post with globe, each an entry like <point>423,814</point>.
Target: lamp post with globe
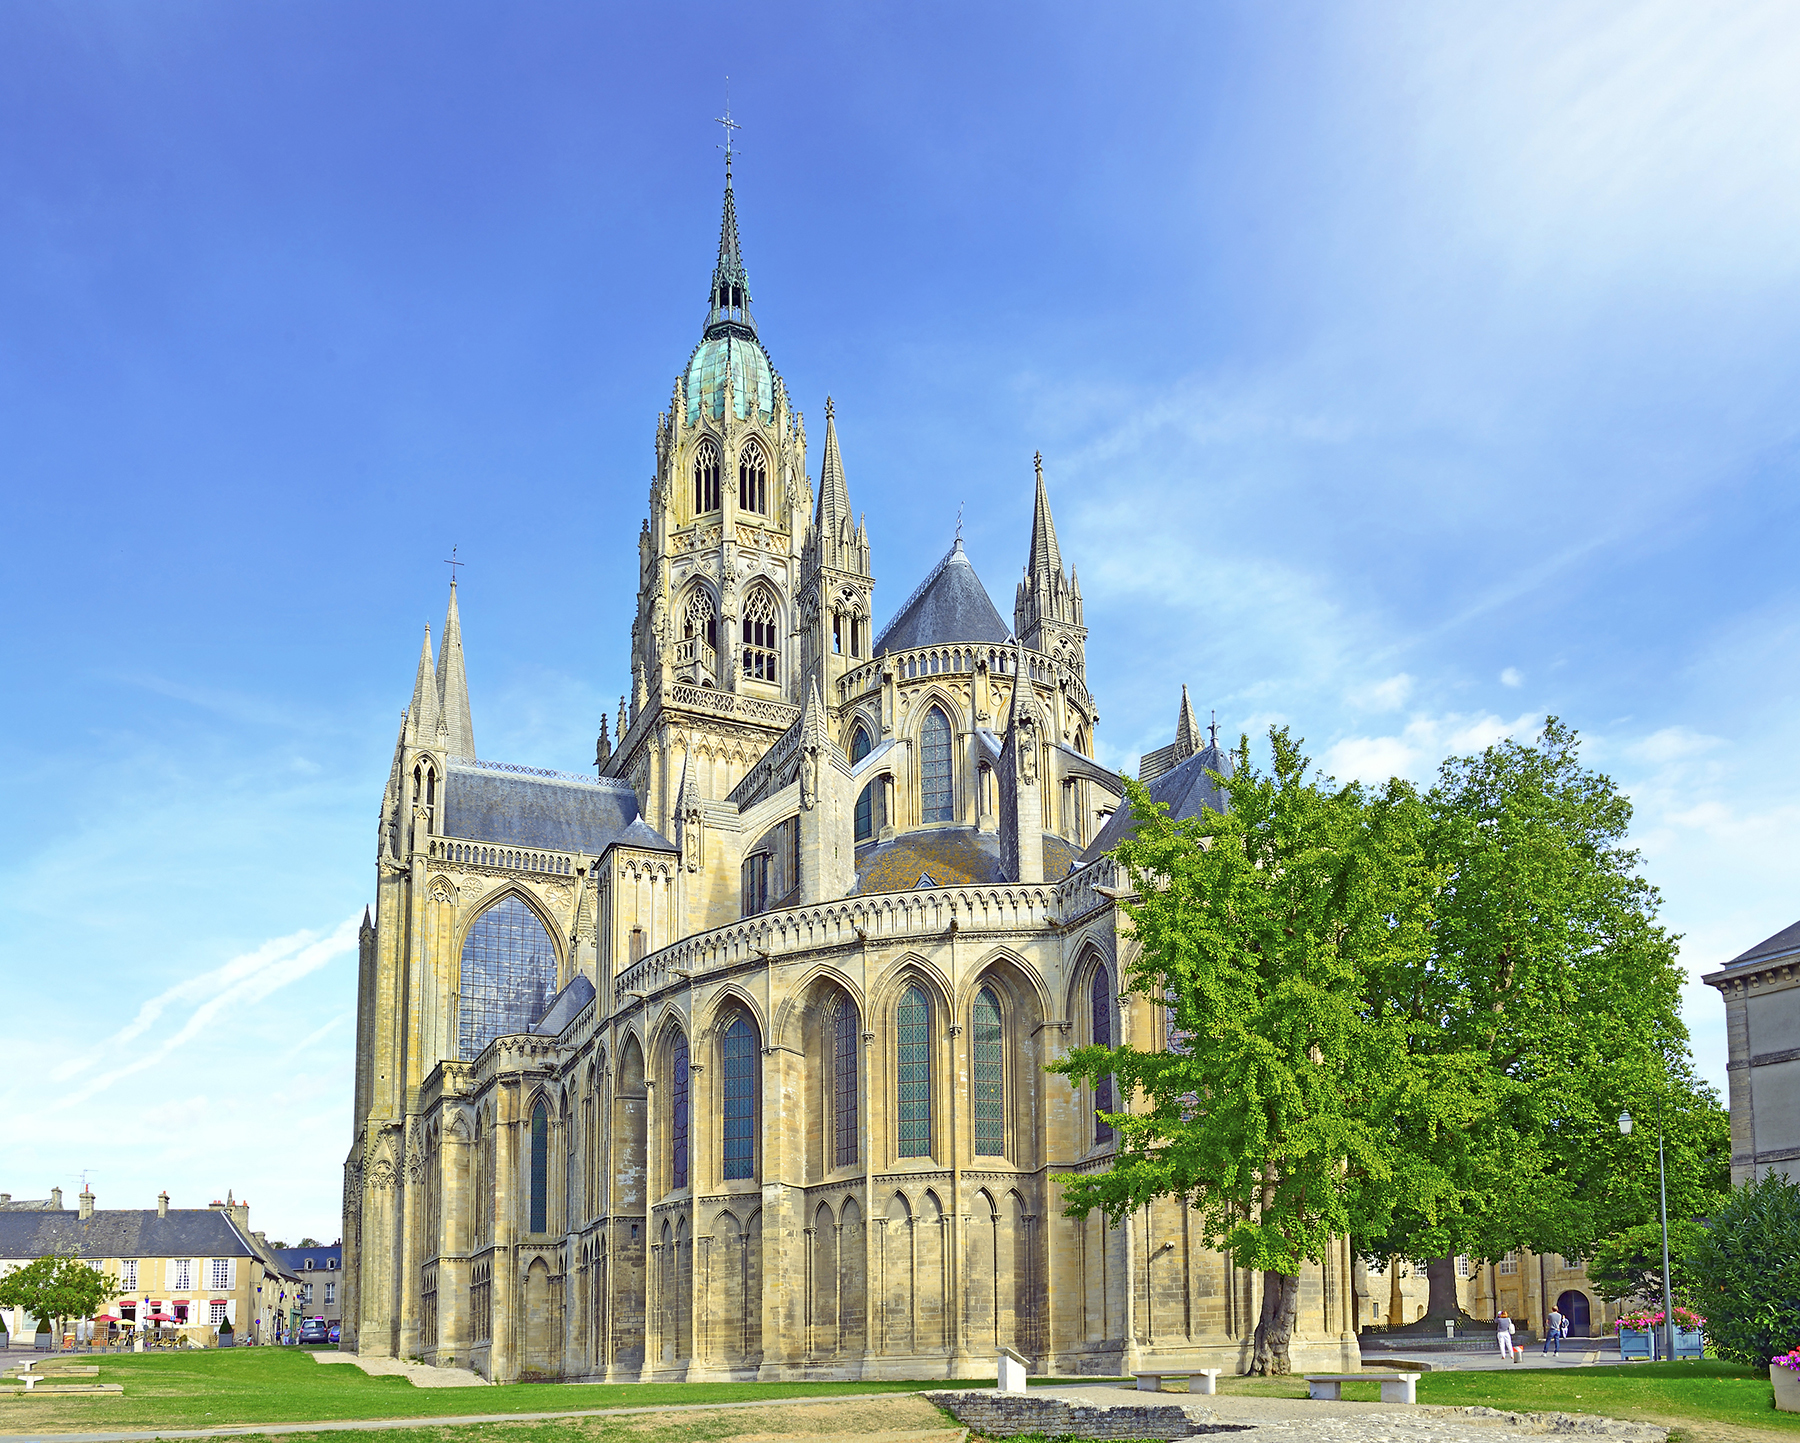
<point>1662,1177</point>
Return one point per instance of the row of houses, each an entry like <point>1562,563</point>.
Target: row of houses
<point>193,1270</point>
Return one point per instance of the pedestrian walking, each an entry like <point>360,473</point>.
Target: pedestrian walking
<point>1554,1328</point>
<point>1503,1334</point>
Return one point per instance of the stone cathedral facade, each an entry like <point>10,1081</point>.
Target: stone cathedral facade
<point>728,1061</point>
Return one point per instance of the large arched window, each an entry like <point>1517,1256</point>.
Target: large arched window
<point>738,1055</point>
<point>1100,1000</point>
<point>843,1083</point>
<point>865,801</point>
<point>859,744</point>
<point>989,1058</point>
<point>540,1169</point>
<point>761,659</point>
<point>700,623</point>
<point>706,477</point>
<point>937,798</point>
<point>678,1114</point>
<point>753,479</point>
<point>508,975</point>
<point>913,1024</point>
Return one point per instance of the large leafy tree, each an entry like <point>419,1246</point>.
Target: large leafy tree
<point>1547,961</point>
<point>1258,928</point>
<point>1744,1272</point>
<point>54,1288</point>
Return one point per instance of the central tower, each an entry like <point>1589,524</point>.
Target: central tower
<point>716,664</point>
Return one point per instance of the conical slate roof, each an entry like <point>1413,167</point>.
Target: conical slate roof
<point>1186,789</point>
<point>951,606</point>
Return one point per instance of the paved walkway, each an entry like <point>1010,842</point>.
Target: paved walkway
<point>420,1375</point>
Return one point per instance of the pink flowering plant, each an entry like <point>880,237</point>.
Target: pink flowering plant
<point>1688,1322</point>
<point>1789,1360</point>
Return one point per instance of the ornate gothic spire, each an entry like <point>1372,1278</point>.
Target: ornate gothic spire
<point>1046,557</point>
<point>1187,730</point>
<point>730,298</point>
<point>833,506</point>
<point>456,730</point>
<point>422,715</point>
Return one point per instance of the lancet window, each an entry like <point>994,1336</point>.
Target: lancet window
<point>700,624</point>
<point>761,659</point>
<point>540,1169</point>
<point>990,1075</point>
<point>937,797</point>
<point>738,1074</point>
<point>706,477</point>
<point>913,1025</point>
<point>678,1114</point>
<point>1100,1000</point>
<point>843,1083</point>
<point>753,480</point>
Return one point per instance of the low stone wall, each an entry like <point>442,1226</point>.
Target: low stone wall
<point>1002,1415</point>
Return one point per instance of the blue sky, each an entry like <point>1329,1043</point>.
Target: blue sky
<point>1402,373</point>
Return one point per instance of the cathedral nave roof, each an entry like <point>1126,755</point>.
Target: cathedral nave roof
<point>486,802</point>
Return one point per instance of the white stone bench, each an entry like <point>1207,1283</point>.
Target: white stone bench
<point>1395,1387</point>
<point>1199,1380</point>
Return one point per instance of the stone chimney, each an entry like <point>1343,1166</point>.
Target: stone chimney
<point>56,1199</point>
<point>162,1203</point>
<point>87,1201</point>
<point>5,1198</point>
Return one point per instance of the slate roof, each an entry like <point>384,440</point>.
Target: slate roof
<point>294,1259</point>
<point>123,1233</point>
<point>1186,789</point>
<point>950,856</point>
<point>950,605</point>
<point>1784,943</point>
<point>485,802</point>
<point>566,1007</point>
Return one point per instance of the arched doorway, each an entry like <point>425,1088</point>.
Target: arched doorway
<point>1574,1306</point>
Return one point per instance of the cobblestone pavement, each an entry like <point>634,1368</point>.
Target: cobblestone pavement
<point>1306,1420</point>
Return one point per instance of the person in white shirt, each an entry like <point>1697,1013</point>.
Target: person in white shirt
<point>1503,1334</point>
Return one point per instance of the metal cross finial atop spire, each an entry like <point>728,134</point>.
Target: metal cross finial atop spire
<point>830,411</point>
<point>959,512</point>
<point>1213,730</point>
<point>1038,461</point>
<point>730,126</point>
<point>453,563</point>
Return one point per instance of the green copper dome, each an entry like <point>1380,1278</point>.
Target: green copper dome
<point>752,379</point>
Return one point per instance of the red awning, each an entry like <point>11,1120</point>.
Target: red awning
<point>221,1300</point>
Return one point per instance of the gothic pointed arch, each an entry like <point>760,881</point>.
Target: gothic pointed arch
<point>739,1090</point>
<point>753,478</point>
<point>937,767</point>
<point>761,628</point>
<point>508,962</point>
<point>706,471</point>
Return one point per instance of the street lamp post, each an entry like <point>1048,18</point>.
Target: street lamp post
<point>1662,1178</point>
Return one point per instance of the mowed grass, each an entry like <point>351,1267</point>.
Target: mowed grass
<point>214,1387</point>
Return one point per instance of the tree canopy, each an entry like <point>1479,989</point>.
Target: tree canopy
<point>55,1287</point>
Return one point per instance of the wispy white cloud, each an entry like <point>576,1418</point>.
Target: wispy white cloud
<point>1389,695</point>
<point>1512,676</point>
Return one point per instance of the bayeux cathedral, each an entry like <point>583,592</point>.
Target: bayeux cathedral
<point>728,1062</point>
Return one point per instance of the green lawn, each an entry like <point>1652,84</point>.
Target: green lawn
<point>210,1387</point>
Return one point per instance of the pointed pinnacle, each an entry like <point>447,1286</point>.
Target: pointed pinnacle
<point>1187,730</point>
<point>833,505</point>
<point>1046,556</point>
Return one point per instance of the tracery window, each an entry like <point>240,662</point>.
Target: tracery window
<point>913,1024</point>
<point>843,1083</point>
<point>756,884</point>
<point>865,812</point>
<point>540,1169</point>
<point>739,1076</point>
<point>753,479</point>
<point>508,975</point>
<point>859,745</point>
<point>1100,1000</point>
<point>678,1115</point>
<point>706,477</point>
<point>990,1076</point>
<point>700,624</point>
<point>761,659</point>
<point>937,801</point>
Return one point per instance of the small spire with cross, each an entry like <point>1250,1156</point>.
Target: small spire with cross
<point>731,126</point>
<point>830,410</point>
<point>453,563</point>
<point>1213,730</point>
<point>1038,461</point>
<point>959,512</point>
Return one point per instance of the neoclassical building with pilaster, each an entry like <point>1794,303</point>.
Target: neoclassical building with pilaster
<point>727,1062</point>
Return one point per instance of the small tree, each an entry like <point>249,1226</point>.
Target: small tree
<point>1630,1265</point>
<point>54,1288</point>
<point>1744,1273</point>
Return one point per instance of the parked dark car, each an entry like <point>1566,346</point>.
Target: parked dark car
<point>314,1332</point>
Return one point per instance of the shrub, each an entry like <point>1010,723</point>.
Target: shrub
<point>1745,1272</point>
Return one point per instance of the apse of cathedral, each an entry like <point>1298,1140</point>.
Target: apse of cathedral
<point>727,1061</point>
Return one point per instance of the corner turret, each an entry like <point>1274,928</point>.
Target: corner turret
<point>1047,608</point>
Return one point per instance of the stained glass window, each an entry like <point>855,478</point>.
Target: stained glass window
<point>761,660</point>
<point>1101,1000</point>
<point>739,1072</point>
<point>540,1169</point>
<point>843,1089</point>
<point>990,1076</point>
<point>508,975</point>
<point>937,803</point>
<point>706,478</point>
<point>914,1025</point>
<point>865,813</point>
<point>753,475</point>
<point>678,1114</point>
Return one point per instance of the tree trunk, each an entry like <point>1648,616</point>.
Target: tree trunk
<point>1275,1325</point>
<point>1441,1273</point>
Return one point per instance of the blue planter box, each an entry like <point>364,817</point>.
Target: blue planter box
<point>1636,1344</point>
<point>1689,1345</point>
